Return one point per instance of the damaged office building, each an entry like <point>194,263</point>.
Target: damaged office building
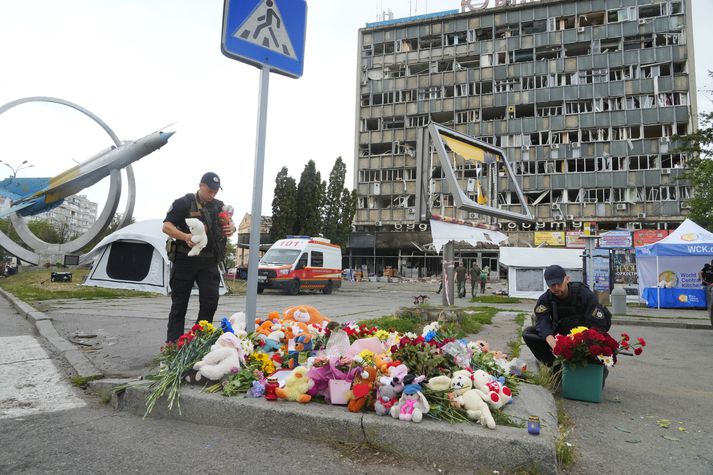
<point>583,97</point>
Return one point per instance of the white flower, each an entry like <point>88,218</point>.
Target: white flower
<point>410,335</point>
<point>607,360</point>
<point>433,326</point>
<point>247,346</point>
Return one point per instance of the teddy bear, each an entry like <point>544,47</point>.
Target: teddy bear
<point>497,393</point>
<point>198,236</point>
<point>362,386</point>
<point>238,322</point>
<point>472,400</point>
<point>226,354</point>
<point>296,386</point>
<point>386,397</point>
<point>412,405</point>
<point>305,314</point>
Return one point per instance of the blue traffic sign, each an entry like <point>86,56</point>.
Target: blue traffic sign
<point>266,33</point>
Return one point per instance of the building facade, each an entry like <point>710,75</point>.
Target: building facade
<point>73,217</point>
<point>584,97</point>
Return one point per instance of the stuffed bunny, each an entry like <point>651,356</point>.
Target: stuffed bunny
<point>198,235</point>
<point>472,400</point>
<point>226,354</point>
<point>412,405</point>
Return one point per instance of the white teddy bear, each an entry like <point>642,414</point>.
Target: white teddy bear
<point>237,321</point>
<point>497,394</point>
<point>226,354</point>
<point>472,400</point>
<point>198,235</point>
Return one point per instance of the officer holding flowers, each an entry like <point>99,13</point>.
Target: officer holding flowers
<point>564,306</point>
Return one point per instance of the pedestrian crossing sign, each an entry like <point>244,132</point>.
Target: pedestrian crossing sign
<point>266,33</point>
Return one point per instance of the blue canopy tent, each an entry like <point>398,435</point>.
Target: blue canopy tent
<point>668,269</point>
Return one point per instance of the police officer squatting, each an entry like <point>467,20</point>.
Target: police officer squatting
<point>564,306</point>
<point>203,268</point>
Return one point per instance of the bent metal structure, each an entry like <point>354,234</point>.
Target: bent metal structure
<point>48,193</point>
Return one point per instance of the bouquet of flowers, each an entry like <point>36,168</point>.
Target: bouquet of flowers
<point>176,360</point>
<point>586,345</point>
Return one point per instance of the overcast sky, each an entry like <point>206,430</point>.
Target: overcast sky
<point>143,64</point>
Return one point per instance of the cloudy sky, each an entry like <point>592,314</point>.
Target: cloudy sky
<point>141,65</point>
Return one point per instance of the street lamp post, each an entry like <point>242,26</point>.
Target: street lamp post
<point>21,166</point>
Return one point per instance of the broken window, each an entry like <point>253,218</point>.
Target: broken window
<point>458,38</point>
<point>467,116</point>
<point>537,26</point>
<point>621,14</point>
<point>652,11</point>
<point>396,122</point>
<point>370,124</point>
<point>433,41</point>
<point>548,52</point>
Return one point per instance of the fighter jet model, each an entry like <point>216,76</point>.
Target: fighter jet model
<point>31,196</point>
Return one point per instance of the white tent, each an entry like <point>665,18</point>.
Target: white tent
<point>526,268</point>
<point>673,263</point>
<point>133,257</point>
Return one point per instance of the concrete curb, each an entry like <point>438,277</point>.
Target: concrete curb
<point>467,445</point>
<point>654,323</point>
<point>81,364</point>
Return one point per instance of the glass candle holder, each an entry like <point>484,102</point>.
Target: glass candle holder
<point>271,388</point>
<point>533,425</point>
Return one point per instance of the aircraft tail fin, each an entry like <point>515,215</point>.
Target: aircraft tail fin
<point>18,188</point>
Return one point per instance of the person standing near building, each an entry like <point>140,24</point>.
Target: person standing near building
<point>461,273</point>
<point>474,278</point>
<point>202,269</point>
<point>483,279</point>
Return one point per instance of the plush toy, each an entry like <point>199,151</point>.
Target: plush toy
<point>439,383</point>
<point>497,393</point>
<point>412,405</point>
<point>198,235</point>
<point>296,386</point>
<point>386,397</point>
<point>472,400</point>
<point>292,329</point>
<point>226,354</point>
<point>237,321</point>
<point>482,345</point>
<point>395,377</point>
<point>362,386</point>
<point>381,361</point>
<point>305,314</point>
<point>273,341</point>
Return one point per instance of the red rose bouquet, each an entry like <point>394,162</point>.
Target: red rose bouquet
<point>587,345</point>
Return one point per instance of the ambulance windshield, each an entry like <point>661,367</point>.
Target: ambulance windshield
<point>280,256</point>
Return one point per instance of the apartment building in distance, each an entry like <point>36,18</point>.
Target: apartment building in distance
<point>583,96</point>
<point>73,217</point>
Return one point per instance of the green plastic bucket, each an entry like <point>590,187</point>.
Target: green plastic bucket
<point>583,383</point>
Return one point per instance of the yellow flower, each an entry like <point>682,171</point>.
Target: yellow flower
<point>206,327</point>
<point>367,356</point>
<point>578,330</point>
<point>382,335</point>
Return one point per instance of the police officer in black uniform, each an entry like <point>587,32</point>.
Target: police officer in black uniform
<point>203,268</point>
<point>564,306</point>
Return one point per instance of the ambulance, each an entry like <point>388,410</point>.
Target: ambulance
<point>301,262</point>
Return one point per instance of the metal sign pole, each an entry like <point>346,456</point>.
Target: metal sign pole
<point>256,218</point>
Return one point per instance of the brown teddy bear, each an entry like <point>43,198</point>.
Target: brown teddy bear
<point>362,386</point>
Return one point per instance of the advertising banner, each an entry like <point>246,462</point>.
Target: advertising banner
<point>643,237</point>
<point>624,267</point>
<point>615,240</point>
<point>575,240</point>
<point>550,238</point>
<point>600,270</point>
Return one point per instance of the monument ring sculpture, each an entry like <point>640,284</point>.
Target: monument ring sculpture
<point>45,252</point>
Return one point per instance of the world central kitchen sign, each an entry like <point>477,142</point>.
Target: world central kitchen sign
<point>477,5</point>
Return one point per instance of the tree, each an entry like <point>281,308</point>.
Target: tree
<point>230,255</point>
<point>333,200</point>
<point>346,218</point>
<point>310,193</point>
<point>699,168</point>
<point>284,206</point>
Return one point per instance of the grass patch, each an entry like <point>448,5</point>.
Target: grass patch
<point>82,381</point>
<point>514,345</point>
<point>545,377</point>
<point>471,320</point>
<point>566,453</point>
<point>34,284</point>
<point>237,286</point>
<point>495,299</point>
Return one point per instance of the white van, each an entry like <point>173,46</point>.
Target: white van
<point>301,262</point>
